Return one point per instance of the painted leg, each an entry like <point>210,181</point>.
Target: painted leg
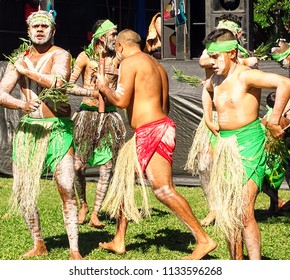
<point>64,176</point>
<point>165,192</point>
<point>33,224</point>
<point>80,187</point>
<point>102,187</point>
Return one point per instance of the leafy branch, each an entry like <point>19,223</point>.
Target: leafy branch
<point>263,50</point>
<point>91,53</point>
<point>277,155</point>
<point>23,50</point>
<point>179,76</point>
<point>56,94</point>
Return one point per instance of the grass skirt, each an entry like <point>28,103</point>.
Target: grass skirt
<point>122,192</point>
<point>93,128</point>
<point>226,187</point>
<point>29,149</point>
<point>200,158</point>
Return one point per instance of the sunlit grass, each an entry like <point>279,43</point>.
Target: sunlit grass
<point>160,237</point>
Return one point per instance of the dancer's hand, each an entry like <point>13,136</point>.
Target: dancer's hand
<point>31,105</point>
<point>21,66</point>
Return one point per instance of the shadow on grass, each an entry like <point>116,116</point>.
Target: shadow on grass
<point>88,241</point>
<point>168,238</point>
<point>267,217</point>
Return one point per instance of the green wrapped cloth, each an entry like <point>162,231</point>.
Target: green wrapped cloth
<point>239,155</point>
<point>101,155</point>
<point>60,132</point>
<point>251,145</point>
<point>38,147</point>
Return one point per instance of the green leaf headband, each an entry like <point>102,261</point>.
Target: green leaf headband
<point>281,56</point>
<point>41,16</point>
<point>104,28</point>
<point>221,46</point>
<point>230,25</point>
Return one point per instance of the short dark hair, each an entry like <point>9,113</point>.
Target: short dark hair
<point>97,24</point>
<point>221,34</point>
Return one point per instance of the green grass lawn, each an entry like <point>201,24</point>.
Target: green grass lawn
<point>160,237</point>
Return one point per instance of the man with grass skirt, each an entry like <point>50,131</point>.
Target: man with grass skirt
<point>44,136</point>
<point>200,154</point>
<point>143,90</point>
<point>239,157</point>
<point>99,129</point>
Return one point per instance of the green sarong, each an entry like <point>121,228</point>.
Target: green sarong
<point>101,155</point>
<point>60,132</point>
<point>251,145</point>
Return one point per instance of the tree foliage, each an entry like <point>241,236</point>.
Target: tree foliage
<point>272,18</point>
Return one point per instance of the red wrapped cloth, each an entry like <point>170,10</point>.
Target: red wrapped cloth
<point>158,136</point>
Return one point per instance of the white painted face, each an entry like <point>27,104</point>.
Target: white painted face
<point>40,32</point>
<point>219,62</point>
<point>110,41</point>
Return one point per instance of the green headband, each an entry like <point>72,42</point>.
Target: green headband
<point>281,56</point>
<point>230,25</point>
<point>104,28</point>
<point>41,16</point>
<point>221,46</point>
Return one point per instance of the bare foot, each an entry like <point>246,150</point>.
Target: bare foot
<point>112,247</point>
<point>209,219</point>
<point>83,212</point>
<point>39,250</point>
<point>75,255</point>
<point>201,249</point>
<point>281,203</point>
<point>95,222</point>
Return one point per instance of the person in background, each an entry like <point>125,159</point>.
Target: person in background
<point>153,39</point>
<point>275,173</point>
<point>99,132</point>
<point>281,53</point>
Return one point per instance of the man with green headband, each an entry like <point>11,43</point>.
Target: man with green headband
<point>99,133</point>
<point>233,23</point>
<point>44,137</point>
<point>196,163</point>
<point>281,53</point>
<point>239,157</point>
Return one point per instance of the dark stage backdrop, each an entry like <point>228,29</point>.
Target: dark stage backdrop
<point>186,111</point>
